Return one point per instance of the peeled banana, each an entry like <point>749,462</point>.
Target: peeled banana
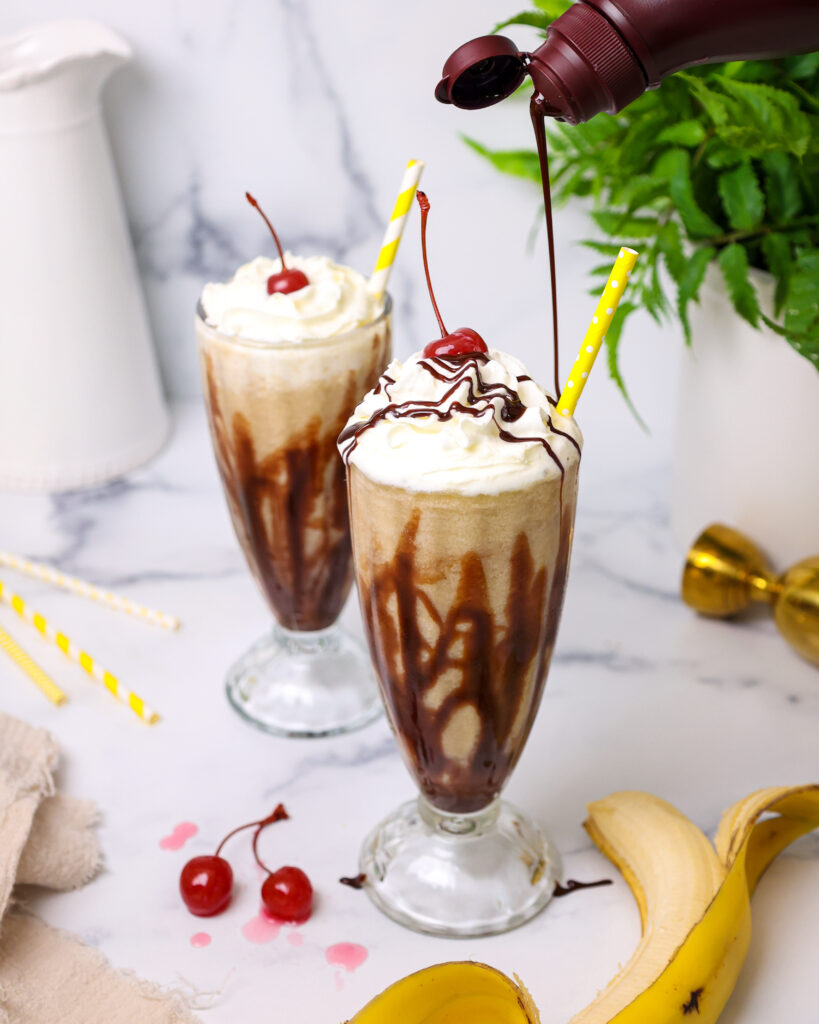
<point>694,901</point>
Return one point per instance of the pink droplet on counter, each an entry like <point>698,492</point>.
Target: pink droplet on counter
<point>295,939</point>
<point>261,929</point>
<point>348,955</point>
<point>339,981</point>
<point>179,836</point>
<point>200,939</point>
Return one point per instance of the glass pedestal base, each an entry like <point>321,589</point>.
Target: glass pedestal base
<point>305,684</point>
<point>470,874</point>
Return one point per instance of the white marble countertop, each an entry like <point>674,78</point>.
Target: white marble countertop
<point>642,694</point>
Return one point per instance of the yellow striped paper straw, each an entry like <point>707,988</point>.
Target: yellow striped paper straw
<point>389,247</point>
<point>595,335</point>
<point>31,668</point>
<point>82,658</point>
<point>48,574</point>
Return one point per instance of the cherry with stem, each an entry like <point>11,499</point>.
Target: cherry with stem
<point>461,341</point>
<point>206,882</point>
<point>286,893</point>
<point>288,279</point>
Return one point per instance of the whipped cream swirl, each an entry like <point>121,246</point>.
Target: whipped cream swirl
<point>476,424</point>
<point>336,300</point>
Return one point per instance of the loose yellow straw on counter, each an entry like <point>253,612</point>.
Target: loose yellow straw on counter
<point>595,335</point>
<point>398,218</point>
<point>31,668</point>
<point>82,658</point>
<point>84,589</point>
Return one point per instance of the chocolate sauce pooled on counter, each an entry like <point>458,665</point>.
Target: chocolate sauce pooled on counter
<point>573,886</point>
<point>289,510</point>
<point>454,370</point>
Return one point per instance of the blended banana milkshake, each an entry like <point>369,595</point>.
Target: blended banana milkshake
<point>282,373</point>
<point>462,486</point>
<point>286,351</point>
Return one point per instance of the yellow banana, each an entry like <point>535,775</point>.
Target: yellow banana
<point>694,901</point>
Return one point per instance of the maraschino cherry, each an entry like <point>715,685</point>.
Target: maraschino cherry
<point>206,882</point>
<point>464,339</point>
<point>287,893</point>
<point>288,279</point>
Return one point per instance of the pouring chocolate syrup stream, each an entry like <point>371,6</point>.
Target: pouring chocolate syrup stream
<point>287,280</point>
<point>538,109</point>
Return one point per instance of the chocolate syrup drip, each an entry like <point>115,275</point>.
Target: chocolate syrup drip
<point>455,370</point>
<point>573,886</point>
<point>494,660</point>
<point>538,110</point>
<point>355,882</point>
<point>289,509</point>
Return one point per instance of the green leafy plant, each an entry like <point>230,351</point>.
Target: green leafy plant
<point>719,165</point>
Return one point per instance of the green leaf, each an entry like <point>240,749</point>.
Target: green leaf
<point>618,224</point>
<point>715,106</point>
<point>624,310</point>
<point>553,8</point>
<point>521,163</point>
<point>776,249</point>
<point>802,307</point>
<point>671,246</point>
<point>688,290</point>
<point>534,18</point>
<point>675,166</point>
<point>604,248</point>
<point>733,261</point>
<point>804,66</point>
<point>684,133</point>
<point>782,190</point>
<point>773,113</point>
<point>741,197</point>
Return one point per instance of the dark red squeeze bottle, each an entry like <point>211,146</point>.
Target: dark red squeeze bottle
<point>602,54</point>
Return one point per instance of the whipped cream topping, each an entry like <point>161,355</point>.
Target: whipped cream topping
<point>476,424</point>
<point>336,300</point>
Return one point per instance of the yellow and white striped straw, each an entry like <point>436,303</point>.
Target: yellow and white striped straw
<point>82,658</point>
<point>31,668</point>
<point>48,574</point>
<point>595,335</point>
<point>389,247</point>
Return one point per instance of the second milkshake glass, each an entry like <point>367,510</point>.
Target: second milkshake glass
<point>275,411</point>
<point>461,597</point>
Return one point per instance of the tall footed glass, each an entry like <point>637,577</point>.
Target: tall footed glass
<point>275,411</point>
<point>461,597</point>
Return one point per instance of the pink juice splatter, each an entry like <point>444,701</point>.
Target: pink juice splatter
<point>200,939</point>
<point>261,929</point>
<point>348,955</point>
<point>295,939</point>
<point>179,836</point>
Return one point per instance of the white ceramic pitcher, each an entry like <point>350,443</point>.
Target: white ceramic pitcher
<point>80,395</point>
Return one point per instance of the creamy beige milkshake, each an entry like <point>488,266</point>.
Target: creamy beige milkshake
<point>282,372</point>
<point>462,486</point>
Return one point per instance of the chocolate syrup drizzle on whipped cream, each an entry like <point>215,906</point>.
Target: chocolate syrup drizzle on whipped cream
<point>481,396</point>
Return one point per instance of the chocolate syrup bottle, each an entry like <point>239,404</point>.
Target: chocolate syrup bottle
<point>602,54</point>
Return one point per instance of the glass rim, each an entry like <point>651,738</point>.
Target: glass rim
<point>242,341</point>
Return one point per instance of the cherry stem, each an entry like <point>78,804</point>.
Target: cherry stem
<point>423,202</point>
<point>279,814</point>
<point>253,203</point>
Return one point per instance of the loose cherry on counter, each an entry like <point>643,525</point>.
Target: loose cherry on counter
<point>287,280</point>
<point>206,882</point>
<point>464,339</point>
<point>287,893</point>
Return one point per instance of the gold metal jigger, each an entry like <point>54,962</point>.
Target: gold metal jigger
<point>725,572</point>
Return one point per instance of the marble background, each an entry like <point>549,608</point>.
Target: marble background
<point>316,106</point>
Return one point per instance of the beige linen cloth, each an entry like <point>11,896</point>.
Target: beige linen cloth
<point>47,976</point>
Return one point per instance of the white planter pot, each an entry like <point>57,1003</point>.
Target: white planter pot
<point>747,439</point>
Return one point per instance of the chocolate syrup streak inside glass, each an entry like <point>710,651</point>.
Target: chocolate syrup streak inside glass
<point>574,886</point>
<point>537,111</point>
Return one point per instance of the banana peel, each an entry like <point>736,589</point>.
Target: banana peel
<point>694,902</point>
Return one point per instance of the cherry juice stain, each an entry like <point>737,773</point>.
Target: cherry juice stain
<point>348,955</point>
<point>179,835</point>
<point>200,940</point>
<point>261,929</point>
<point>295,939</point>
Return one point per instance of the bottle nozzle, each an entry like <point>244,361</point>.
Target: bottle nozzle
<point>482,72</point>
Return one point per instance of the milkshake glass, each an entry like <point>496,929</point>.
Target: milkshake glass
<point>281,374</point>
<point>462,485</point>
